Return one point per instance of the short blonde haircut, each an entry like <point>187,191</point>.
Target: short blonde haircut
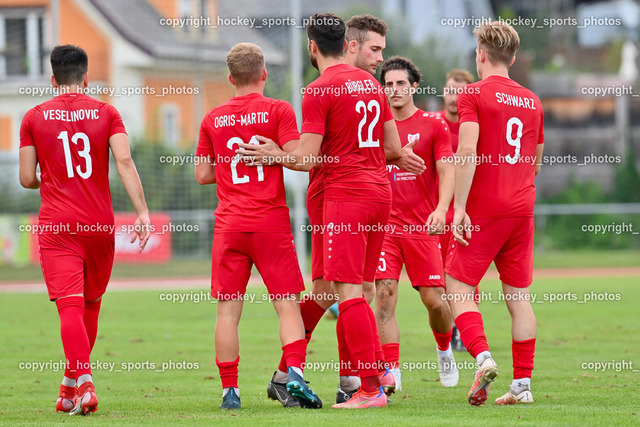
<point>460,76</point>
<point>499,40</point>
<point>245,62</point>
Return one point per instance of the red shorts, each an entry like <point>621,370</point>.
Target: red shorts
<point>507,241</point>
<point>445,244</point>
<point>76,264</point>
<point>274,254</point>
<point>315,209</point>
<point>353,239</point>
<point>421,256</point>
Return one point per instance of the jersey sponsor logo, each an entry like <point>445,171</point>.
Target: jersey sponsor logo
<point>435,277</point>
<point>515,101</point>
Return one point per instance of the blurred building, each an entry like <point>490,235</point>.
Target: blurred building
<point>161,77</point>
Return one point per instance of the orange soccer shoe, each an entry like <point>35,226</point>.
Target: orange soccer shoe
<point>65,398</point>
<point>387,382</point>
<point>363,400</point>
<point>86,401</point>
<point>486,373</point>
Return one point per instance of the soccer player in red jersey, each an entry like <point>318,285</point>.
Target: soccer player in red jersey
<point>365,37</point>
<point>252,223</point>
<point>456,81</point>
<point>418,211</point>
<point>70,137</point>
<point>347,118</point>
<point>499,155</point>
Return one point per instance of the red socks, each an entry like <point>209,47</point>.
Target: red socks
<point>91,313</point>
<point>392,354</point>
<point>379,354</point>
<point>311,314</point>
<point>228,372</point>
<point>443,340</point>
<point>75,342</point>
<point>472,332</point>
<point>522,353</point>
<point>295,354</point>
<point>347,365</point>
<point>360,341</point>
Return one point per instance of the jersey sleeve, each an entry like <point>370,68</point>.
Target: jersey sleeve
<point>116,122</point>
<point>541,135</point>
<point>314,111</point>
<point>441,140</point>
<point>205,146</point>
<point>287,124</point>
<point>26,137</point>
<point>468,107</point>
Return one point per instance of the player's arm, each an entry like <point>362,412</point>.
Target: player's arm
<point>403,157</point>
<point>437,218</point>
<point>301,158</point>
<point>464,170</point>
<point>28,163</point>
<point>119,144</point>
<point>539,149</point>
<point>205,170</point>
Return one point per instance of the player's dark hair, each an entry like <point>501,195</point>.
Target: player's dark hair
<point>69,64</point>
<point>358,27</point>
<point>403,64</point>
<point>327,31</point>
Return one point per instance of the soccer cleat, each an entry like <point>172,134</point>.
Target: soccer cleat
<point>230,400</point>
<point>85,401</point>
<point>297,386</point>
<point>456,341</point>
<point>387,382</point>
<point>344,395</point>
<point>333,312</point>
<point>397,376</point>
<point>486,373</point>
<point>65,398</point>
<point>278,391</point>
<point>448,371</point>
<point>362,400</point>
<point>511,398</point>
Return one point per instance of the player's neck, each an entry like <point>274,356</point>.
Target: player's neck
<point>62,89</point>
<point>325,62</point>
<point>453,118</point>
<point>404,112</point>
<point>247,90</point>
<point>496,71</point>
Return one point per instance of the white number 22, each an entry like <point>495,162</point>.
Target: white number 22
<point>369,142</point>
<point>84,153</point>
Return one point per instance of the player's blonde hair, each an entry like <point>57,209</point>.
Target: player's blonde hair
<point>499,40</point>
<point>460,76</point>
<point>245,62</point>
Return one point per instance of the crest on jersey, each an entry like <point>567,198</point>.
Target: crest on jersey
<point>413,137</point>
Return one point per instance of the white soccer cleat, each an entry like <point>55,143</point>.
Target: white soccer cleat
<point>448,370</point>
<point>485,375</point>
<point>511,398</point>
<point>397,375</point>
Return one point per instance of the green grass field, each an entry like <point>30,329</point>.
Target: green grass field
<point>139,332</point>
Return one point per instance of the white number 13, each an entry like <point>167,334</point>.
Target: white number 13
<point>84,153</point>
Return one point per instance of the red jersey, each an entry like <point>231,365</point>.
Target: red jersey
<point>415,196</point>
<point>511,127</point>
<point>454,129</point>
<point>349,108</point>
<point>252,198</point>
<point>71,134</point>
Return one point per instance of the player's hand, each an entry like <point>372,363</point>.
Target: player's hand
<point>265,153</point>
<point>436,221</point>
<point>461,223</point>
<point>410,161</point>
<point>142,227</point>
